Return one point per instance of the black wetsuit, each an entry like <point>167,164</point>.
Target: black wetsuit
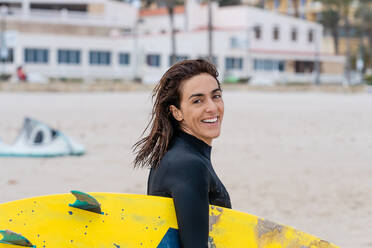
<point>185,173</point>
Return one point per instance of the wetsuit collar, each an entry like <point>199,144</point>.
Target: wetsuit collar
<point>200,145</point>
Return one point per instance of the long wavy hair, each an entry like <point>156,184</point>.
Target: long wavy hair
<point>163,127</point>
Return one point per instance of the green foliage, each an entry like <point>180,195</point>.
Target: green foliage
<point>368,79</point>
<point>330,18</point>
<point>5,76</point>
<point>363,16</point>
<point>341,6</point>
<point>365,1</point>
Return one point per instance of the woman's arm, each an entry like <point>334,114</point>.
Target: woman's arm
<point>189,189</point>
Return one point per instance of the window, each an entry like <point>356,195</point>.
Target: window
<point>257,32</point>
<point>178,58</point>
<point>233,63</point>
<point>234,43</point>
<point>153,60</point>
<point>124,58</point>
<point>269,65</point>
<point>304,66</point>
<point>127,31</point>
<point>66,56</point>
<point>214,59</point>
<point>281,65</point>
<point>36,55</point>
<point>258,65</point>
<point>310,36</point>
<point>99,58</point>
<point>294,34</point>
<point>276,33</point>
<point>7,55</point>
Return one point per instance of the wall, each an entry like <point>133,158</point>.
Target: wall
<point>332,68</point>
<point>96,8</point>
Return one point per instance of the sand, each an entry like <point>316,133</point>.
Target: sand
<point>301,159</point>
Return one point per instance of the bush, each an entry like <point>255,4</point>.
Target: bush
<point>5,77</point>
<point>368,79</point>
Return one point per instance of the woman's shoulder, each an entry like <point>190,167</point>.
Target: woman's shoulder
<point>184,151</point>
<point>187,167</point>
<point>182,159</point>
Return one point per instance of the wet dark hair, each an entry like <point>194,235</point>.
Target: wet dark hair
<point>150,149</point>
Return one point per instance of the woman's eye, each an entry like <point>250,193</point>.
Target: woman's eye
<point>196,101</point>
<point>217,96</point>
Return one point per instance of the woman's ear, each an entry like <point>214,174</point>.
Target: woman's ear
<point>177,114</point>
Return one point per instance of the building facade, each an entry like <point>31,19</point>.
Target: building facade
<point>103,39</point>
<point>311,10</point>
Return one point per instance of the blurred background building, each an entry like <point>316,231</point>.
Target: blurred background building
<point>264,42</point>
<point>311,10</point>
<point>347,25</point>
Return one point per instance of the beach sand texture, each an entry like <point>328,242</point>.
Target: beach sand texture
<point>301,159</point>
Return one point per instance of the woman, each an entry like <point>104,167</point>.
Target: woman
<point>186,117</point>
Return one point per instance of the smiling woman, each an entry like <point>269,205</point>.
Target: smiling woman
<point>186,117</point>
<point>201,108</point>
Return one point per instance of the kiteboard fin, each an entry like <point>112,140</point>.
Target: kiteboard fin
<point>13,238</point>
<point>86,202</point>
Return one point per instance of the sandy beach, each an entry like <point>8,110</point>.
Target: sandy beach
<point>301,159</point>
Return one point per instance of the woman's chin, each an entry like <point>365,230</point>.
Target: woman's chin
<point>212,135</point>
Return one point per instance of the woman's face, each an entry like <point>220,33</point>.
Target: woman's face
<point>201,107</point>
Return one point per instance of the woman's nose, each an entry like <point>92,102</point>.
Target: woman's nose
<point>211,106</point>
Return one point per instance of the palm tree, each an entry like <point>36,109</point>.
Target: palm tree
<point>345,14</point>
<point>364,16</point>
<point>295,7</point>
<point>330,20</point>
<point>342,7</point>
<point>170,5</point>
<point>262,4</point>
<point>210,31</point>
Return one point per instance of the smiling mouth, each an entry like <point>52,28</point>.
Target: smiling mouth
<point>211,120</point>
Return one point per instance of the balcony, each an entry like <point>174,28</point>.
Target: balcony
<point>64,17</point>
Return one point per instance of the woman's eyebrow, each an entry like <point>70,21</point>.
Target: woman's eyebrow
<point>197,94</point>
<point>215,90</point>
<point>201,94</point>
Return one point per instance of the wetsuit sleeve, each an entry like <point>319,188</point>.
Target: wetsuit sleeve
<point>189,190</point>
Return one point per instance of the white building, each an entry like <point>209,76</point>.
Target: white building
<point>92,39</point>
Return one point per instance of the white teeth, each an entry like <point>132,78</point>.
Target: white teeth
<point>210,120</point>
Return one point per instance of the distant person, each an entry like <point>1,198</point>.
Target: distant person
<point>21,75</point>
<point>186,117</point>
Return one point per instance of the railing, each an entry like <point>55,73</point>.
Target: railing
<point>64,16</point>
<point>287,77</point>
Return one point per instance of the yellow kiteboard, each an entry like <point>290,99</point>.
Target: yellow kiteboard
<point>109,220</point>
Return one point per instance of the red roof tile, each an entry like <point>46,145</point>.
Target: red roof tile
<point>161,11</point>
